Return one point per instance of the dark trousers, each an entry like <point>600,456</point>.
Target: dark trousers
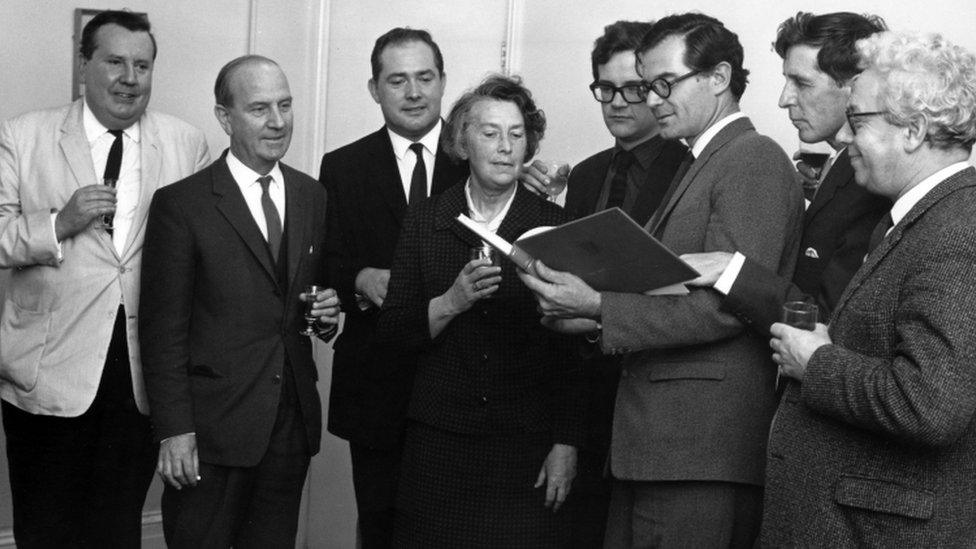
<point>245,507</point>
<point>683,514</point>
<point>375,476</point>
<point>82,481</point>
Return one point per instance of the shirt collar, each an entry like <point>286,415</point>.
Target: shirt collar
<point>712,131</point>
<point>493,223</point>
<point>245,177</point>
<point>905,203</point>
<point>401,144</point>
<point>95,129</point>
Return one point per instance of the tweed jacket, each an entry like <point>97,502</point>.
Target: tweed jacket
<point>494,369</point>
<point>836,229</point>
<point>58,316</point>
<point>587,179</point>
<point>367,205</point>
<point>877,446</point>
<point>696,392</point>
<point>219,319</point>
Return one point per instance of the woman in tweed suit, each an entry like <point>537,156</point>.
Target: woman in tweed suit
<point>494,416</point>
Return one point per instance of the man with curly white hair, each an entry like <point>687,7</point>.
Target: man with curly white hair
<point>875,441</point>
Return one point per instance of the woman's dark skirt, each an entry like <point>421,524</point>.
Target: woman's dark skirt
<point>475,491</point>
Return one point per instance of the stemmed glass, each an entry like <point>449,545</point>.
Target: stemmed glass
<point>311,293</point>
<point>558,173</point>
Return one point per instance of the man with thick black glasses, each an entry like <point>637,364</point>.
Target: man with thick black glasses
<point>696,393</point>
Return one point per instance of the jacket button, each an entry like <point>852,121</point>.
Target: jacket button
<point>484,401</point>
<point>484,357</point>
<point>276,379</point>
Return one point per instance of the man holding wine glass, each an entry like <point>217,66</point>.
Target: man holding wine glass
<point>231,258</point>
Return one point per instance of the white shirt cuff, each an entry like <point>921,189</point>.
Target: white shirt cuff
<point>54,231</point>
<point>731,272</point>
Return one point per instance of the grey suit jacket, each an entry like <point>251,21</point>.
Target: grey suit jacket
<point>58,317</point>
<point>696,391</point>
<point>877,446</point>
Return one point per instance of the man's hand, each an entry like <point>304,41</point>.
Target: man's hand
<point>710,266</point>
<point>326,306</point>
<point>534,178</point>
<point>178,463</point>
<point>557,473</point>
<point>372,283</point>
<point>561,294</point>
<point>84,206</point>
<point>809,175</point>
<point>793,347</point>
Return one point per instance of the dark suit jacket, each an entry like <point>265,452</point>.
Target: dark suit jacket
<point>696,391</point>
<point>587,178</point>
<point>836,229</point>
<point>370,386</point>
<point>217,324</point>
<point>877,446</point>
<point>494,369</point>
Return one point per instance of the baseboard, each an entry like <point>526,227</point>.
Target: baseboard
<point>152,533</point>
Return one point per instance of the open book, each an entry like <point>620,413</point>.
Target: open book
<point>608,250</point>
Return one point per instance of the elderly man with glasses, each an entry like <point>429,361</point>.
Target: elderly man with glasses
<point>696,394</point>
<point>875,442</point>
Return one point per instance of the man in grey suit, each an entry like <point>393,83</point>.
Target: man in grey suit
<point>74,406</point>
<point>875,441</point>
<point>696,392</point>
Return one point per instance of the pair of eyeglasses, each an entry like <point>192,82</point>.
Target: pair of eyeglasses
<point>662,88</point>
<point>632,93</point>
<point>852,116</point>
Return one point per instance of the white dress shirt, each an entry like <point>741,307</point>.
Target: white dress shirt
<point>406,159</point>
<point>247,180</point>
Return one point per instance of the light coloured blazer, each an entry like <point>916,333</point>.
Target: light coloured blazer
<point>877,446</point>
<point>57,317</point>
<point>696,390</point>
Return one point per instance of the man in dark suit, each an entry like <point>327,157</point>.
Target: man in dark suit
<point>633,175</point>
<point>696,392</point>
<point>75,414</point>
<point>874,444</point>
<point>819,62</point>
<point>231,382</point>
<point>370,184</point>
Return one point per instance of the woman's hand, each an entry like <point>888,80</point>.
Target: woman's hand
<point>477,280</point>
<point>557,473</point>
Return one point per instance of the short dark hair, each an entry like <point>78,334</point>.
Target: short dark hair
<point>499,88</point>
<point>222,93</point>
<point>707,43</point>
<point>834,33</point>
<point>617,37</point>
<point>399,36</point>
<point>125,19</point>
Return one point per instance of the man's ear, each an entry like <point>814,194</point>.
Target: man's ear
<point>223,118</point>
<point>720,77</point>
<point>915,132</point>
<point>373,91</point>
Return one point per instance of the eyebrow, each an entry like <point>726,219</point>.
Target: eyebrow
<point>404,74</point>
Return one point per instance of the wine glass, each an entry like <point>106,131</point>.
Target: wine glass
<point>800,314</point>
<point>311,293</point>
<point>108,219</point>
<point>558,173</point>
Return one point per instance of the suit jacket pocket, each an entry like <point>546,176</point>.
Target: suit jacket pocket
<point>884,496</point>
<point>668,371</point>
<point>24,336</point>
<point>203,370</point>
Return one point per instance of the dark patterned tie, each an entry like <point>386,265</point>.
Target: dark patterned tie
<point>618,185</point>
<point>112,167</point>
<point>271,217</point>
<point>418,182</point>
<point>879,232</point>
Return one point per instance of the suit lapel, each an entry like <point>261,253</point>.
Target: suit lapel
<point>74,145</point>
<point>149,179</point>
<point>296,221</point>
<point>451,203</point>
<point>383,172</point>
<point>840,175</point>
<point>231,204</point>
<point>591,186</point>
<point>446,172</point>
<point>521,216</point>
<point>721,139</point>
<point>965,178</point>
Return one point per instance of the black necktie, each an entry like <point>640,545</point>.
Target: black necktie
<point>879,232</point>
<point>271,217</point>
<point>618,185</point>
<point>418,181</point>
<point>112,167</point>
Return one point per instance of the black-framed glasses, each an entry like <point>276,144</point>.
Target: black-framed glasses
<point>662,88</point>
<point>852,116</point>
<point>632,93</point>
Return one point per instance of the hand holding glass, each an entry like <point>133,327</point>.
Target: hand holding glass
<point>558,173</point>
<point>485,251</point>
<point>108,219</point>
<point>311,294</point>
